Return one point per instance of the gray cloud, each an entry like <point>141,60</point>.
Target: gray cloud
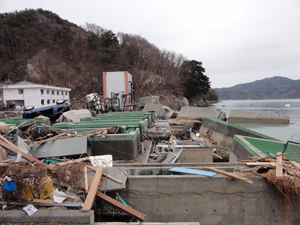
<point>237,41</point>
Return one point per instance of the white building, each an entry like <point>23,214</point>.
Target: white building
<point>26,93</point>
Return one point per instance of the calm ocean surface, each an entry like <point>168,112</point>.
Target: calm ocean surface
<point>288,107</point>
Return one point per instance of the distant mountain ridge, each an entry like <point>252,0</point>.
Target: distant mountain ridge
<point>268,88</point>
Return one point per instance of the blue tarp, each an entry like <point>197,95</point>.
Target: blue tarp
<point>9,186</point>
<point>192,171</point>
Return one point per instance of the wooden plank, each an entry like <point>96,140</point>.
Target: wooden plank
<point>217,155</point>
<point>279,173</point>
<point>130,211</point>
<point>105,175</point>
<point>7,141</point>
<point>296,165</point>
<point>51,166</point>
<point>2,154</point>
<point>73,135</point>
<point>86,180</point>
<point>260,164</point>
<point>72,161</point>
<point>93,190</point>
<point>230,175</point>
<point>104,134</point>
<point>7,161</point>
<point>16,150</point>
<point>52,201</point>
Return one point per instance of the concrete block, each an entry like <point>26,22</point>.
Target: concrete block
<point>245,116</point>
<point>120,146</point>
<point>216,200</point>
<point>74,115</point>
<point>72,146</point>
<point>47,216</point>
<point>156,108</point>
<point>244,146</point>
<point>222,132</point>
<point>198,113</point>
<point>166,113</point>
<point>156,223</point>
<point>148,99</point>
<point>196,155</point>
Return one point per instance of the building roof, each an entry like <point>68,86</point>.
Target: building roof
<point>28,84</point>
<point>24,82</point>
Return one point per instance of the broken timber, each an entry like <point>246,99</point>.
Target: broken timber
<point>2,154</point>
<point>105,175</point>
<point>230,175</point>
<point>73,135</point>
<point>121,206</point>
<point>93,190</point>
<point>11,147</point>
<point>279,173</point>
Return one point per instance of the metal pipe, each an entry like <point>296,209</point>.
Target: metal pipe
<point>42,204</point>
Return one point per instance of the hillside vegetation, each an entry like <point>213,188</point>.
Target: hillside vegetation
<point>39,46</point>
<point>269,88</point>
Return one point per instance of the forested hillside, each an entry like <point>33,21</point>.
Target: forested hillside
<point>268,88</point>
<point>39,46</point>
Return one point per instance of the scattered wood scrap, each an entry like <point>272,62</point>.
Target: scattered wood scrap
<point>121,206</point>
<point>73,161</point>
<point>73,135</point>
<point>230,175</point>
<point>279,173</point>
<point>13,148</point>
<point>93,190</point>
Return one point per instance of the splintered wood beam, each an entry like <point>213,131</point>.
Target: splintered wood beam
<point>2,154</point>
<point>104,134</point>
<point>47,201</point>
<point>105,175</point>
<point>86,182</point>
<point>93,190</point>
<point>279,173</point>
<point>73,135</point>
<point>16,150</point>
<point>296,165</point>
<point>230,175</point>
<point>72,161</point>
<point>121,206</point>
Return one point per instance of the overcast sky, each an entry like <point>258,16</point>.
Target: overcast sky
<point>238,41</point>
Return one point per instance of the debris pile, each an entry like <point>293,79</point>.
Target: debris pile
<point>71,183</point>
<point>280,171</point>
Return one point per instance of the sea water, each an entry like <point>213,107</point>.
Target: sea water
<point>281,131</point>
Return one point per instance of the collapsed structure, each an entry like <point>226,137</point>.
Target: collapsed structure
<point>170,179</point>
<point>187,166</point>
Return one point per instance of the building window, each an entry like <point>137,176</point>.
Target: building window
<point>53,101</point>
<point>57,92</point>
<point>48,101</point>
<point>21,91</point>
<point>48,92</point>
<point>53,92</point>
<point>42,101</point>
<point>62,93</point>
<point>66,93</point>
<point>42,91</point>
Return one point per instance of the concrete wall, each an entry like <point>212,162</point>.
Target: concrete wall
<point>120,146</point>
<point>198,113</point>
<point>243,147</point>
<point>196,155</point>
<point>244,116</point>
<point>222,132</point>
<point>47,216</point>
<point>217,200</point>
